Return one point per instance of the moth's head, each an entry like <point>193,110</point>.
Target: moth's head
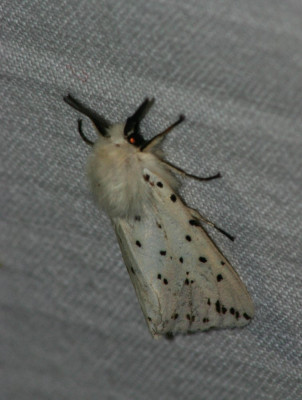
<point>130,131</point>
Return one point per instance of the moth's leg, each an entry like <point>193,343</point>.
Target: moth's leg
<point>197,219</point>
<point>180,171</point>
<point>86,140</point>
<point>156,140</point>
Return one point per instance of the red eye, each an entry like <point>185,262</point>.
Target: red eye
<point>132,140</point>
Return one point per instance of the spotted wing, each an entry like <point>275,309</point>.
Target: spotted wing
<point>183,282</point>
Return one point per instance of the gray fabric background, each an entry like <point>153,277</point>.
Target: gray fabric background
<point>71,327</point>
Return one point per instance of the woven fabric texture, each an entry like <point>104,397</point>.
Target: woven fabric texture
<point>71,326</point>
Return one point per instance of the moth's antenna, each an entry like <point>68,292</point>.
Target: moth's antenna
<point>85,138</point>
<point>158,138</point>
<point>100,123</point>
<point>134,120</point>
<point>184,173</point>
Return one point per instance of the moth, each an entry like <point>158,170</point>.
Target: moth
<point>183,282</point>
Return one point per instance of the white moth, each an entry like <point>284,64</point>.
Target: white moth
<point>183,282</point>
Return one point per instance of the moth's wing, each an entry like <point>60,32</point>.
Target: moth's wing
<point>132,236</point>
<point>183,282</point>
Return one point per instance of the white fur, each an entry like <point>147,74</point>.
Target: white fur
<point>115,172</point>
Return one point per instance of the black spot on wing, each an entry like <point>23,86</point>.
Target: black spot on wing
<point>138,243</point>
<point>205,320</point>
<point>137,218</point>
<point>194,222</point>
<point>162,252</point>
<point>217,305</point>
<point>232,311</point>
<point>203,259</point>
<point>132,270</point>
<point>174,316</point>
<point>222,262</point>
<point>187,281</point>
<point>147,177</point>
<point>159,184</point>
<point>181,259</point>
<point>219,277</point>
<point>188,238</point>
<point>165,280</point>
<point>173,198</point>
<point>246,316</point>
